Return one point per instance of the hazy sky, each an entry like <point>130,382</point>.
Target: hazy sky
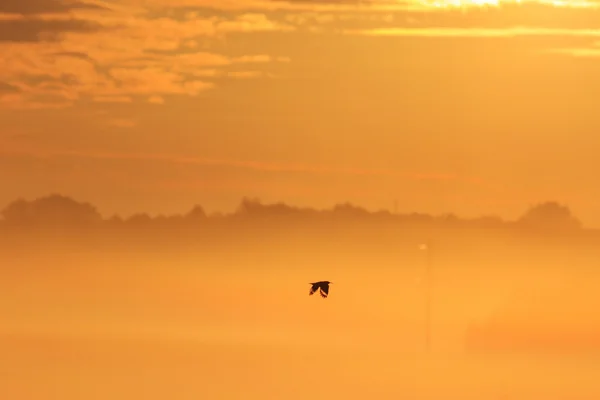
<point>156,105</point>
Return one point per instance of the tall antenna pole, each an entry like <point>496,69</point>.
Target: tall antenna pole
<point>428,291</point>
<point>428,295</point>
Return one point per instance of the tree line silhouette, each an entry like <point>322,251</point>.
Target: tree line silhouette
<point>63,212</point>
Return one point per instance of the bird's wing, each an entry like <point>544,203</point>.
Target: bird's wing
<point>324,292</point>
<point>313,289</point>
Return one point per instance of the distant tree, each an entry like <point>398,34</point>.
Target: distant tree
<point>349,210</point>
<point>249,206</point>
<point>383,214</point>
<point>488,221</point>
<point>61,211</point>
<point>418,218</point>
<point>196,214</point>
<point>115,221</point>
<point>175,220</point>
<point>52,210</point>
<point>216,215</point>
<point>160,219</point>
<point>18,212</point>
<point>139,220</point>
<point>549,215</point>
<point>254,208</point>
<point>449,219</point>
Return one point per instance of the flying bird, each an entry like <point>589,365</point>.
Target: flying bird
<point>322,286</point>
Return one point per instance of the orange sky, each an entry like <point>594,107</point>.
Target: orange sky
<point>445,106</point>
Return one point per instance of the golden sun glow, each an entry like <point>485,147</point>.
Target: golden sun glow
<point>175,172</point>
<point>499,3</point>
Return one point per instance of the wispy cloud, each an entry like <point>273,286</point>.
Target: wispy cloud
<point>28,7</point>
<point>46,153</point>
<point>456,18</point>
<point>60,53</point>
<point>244,74</point>
<point>357,6</point>
<point>6,88</point>
<point>476,32</point>
<point>42,29</point>
<point>593,51</point>
<point>286,5</point>
<point>105,76</point>
<point>156,100</point>
<point>112,99</point>
<point>122,123</point>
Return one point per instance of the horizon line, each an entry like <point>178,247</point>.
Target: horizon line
<point>291,207</point>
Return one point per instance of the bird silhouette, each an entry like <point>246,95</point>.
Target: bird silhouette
<point>322,286</point>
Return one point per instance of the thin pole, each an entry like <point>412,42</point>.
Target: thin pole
<point>428,295</point>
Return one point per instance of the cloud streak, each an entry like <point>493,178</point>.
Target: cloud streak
<point>34,30</point>
<point>476,32</point>
<point>229,163</point>
<point>57,53</point>
<point>31,7</point>
<point>463,19</point>
<point>593,51</point>
<point>358,6</point>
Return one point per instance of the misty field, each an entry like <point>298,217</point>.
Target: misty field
<point>236,322</point>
